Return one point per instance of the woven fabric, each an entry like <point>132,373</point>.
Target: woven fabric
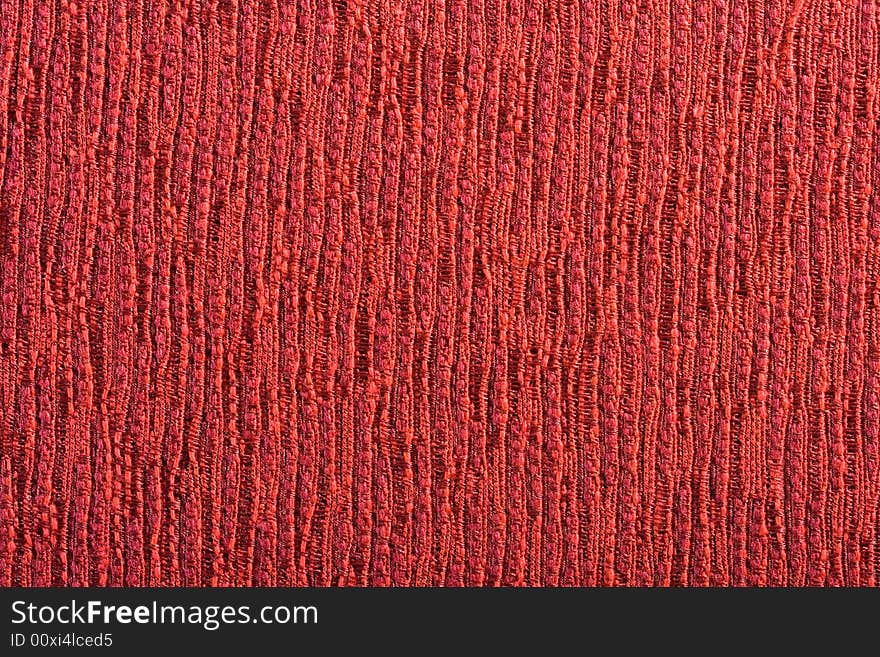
<point>439,292</point>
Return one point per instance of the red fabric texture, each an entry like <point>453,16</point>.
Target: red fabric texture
<point>439,292</point>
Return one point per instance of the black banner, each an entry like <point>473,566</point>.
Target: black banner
<point>416,621</point>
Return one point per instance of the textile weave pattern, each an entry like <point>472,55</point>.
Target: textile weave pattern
<point>439,292</point>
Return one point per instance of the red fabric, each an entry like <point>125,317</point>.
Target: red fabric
<point>477,292</point>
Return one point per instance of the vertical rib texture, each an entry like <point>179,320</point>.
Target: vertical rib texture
<point>439,292</point>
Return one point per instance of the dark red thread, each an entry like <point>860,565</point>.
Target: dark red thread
<point>553,292</point>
